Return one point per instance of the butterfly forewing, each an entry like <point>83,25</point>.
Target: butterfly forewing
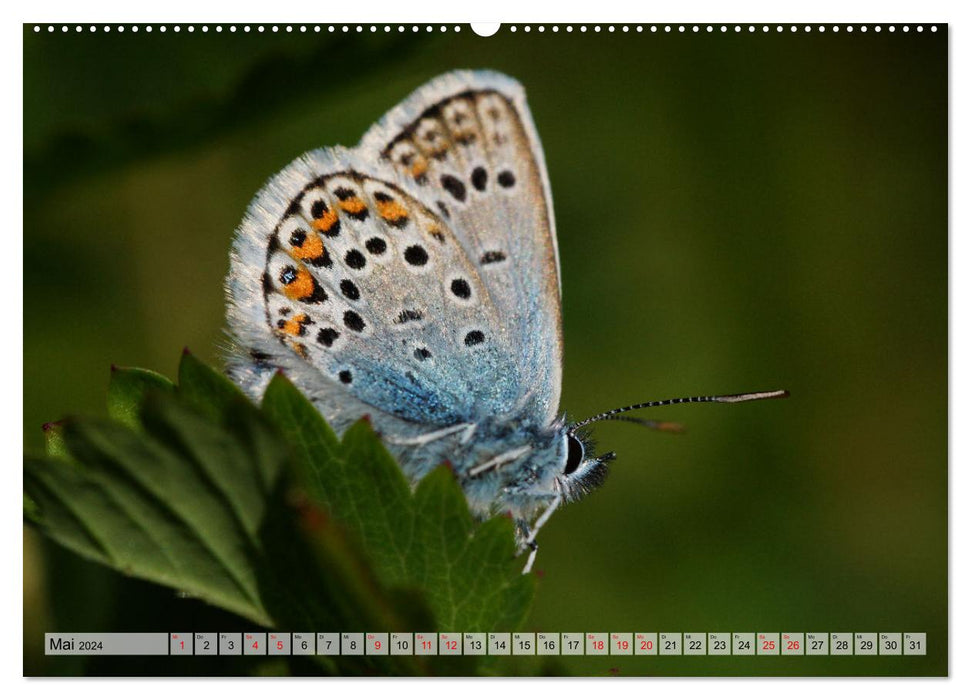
<point>372,291</point>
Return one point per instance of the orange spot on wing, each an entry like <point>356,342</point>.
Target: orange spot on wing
<point>302,287</point>
<point>419,167</point>
<point>352,205</point>
<point>295,325</point>
<point>325,223</point>
<point>391,210</point>
<point>311,249</point>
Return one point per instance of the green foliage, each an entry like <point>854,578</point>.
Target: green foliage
<point>266,513</point>
<point>126,391</point>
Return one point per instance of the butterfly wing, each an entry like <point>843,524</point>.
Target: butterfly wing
<point>466,145</point>
<point>348,275</point>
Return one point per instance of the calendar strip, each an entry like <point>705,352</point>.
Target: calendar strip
<point>488,644</point>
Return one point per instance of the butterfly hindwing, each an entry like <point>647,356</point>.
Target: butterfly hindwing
<point>364,291</point>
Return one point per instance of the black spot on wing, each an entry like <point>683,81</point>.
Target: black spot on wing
<point>461,288</point>
<point>492,256</point>
<point>416,255</point>
<point>327,336</point>
<point>350,290</point>
<point>355,259</point>
<point>409,315</point>
<point>353,321</point>
<point>454,187</point>
<point>479,178</point>
<point>376,246</point>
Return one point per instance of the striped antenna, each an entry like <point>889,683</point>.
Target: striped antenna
<point>726,398</point>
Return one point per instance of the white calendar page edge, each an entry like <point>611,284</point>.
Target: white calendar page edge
<point>507,11</point>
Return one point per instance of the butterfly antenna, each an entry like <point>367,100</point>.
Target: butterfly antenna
<point>725,398</point>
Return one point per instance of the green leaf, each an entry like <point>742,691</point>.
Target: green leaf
<point>54,440</point>
<point>426,539</point>
<point>467,571</point>
<point>205,389</point>
<point>127,389</point>
<point>266,513</point>
<point>142,507</point>
<point>31,510</point>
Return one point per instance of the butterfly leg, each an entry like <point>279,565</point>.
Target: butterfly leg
<point>467,429</point>
<point>530,533</point>
<point>541,520</point>
<point>534,548</point>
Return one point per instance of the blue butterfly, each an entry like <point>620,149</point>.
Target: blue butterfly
<point>415,278</point>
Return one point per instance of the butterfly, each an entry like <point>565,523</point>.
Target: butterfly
<point>415,278</point>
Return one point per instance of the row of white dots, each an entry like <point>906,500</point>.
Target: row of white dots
<point>681,28</point>
<point>244,28</point>
<point>726,28</point>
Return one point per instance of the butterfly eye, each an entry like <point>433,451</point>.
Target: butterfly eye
<point>574,455</point>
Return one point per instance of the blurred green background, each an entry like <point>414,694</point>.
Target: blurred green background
<point>735,212</point>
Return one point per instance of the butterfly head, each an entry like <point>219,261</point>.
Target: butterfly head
<point>581,469</point>
<point>519,468</point>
